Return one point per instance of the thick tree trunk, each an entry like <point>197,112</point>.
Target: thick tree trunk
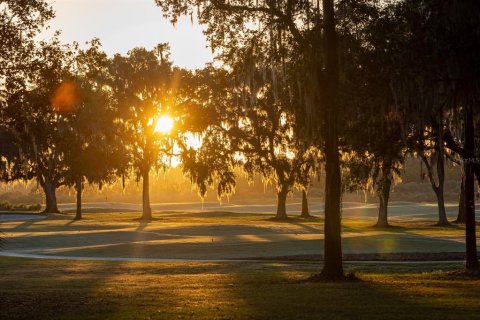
<point>147,211</point>
<point>469,195</point>
<point>461,202</point>
<point>49,188</point>
<point>79,189</point>
<point>281,205</point>
<point>333,264</point>
<point>305,212</point>
<point>442,215</point>
<point>384,196</point>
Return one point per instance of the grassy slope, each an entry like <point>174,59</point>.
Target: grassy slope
<point>52,289</point>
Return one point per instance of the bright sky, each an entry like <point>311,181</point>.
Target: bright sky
<point>124,24</point>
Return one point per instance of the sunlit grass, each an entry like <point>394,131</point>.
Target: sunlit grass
<point>41,289</point>
<point>222,235</point>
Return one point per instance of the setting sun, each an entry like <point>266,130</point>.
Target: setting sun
<point>164,124</point>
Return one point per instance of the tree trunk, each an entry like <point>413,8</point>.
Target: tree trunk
<point>442,215</point>
<point>281,205</point>
<point>461,202</point>
<point>49,188</point>
<point>305,212</point>
<point>333,264</point>
<point>79,189</point>
<point>147,211</point>
<point>384,196</point>
<point>469,195</point>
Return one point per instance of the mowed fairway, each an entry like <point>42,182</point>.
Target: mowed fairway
<point>218,235</point>
<point>64,289</point>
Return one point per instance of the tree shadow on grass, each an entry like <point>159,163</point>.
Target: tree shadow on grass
<point>283,294</point>
<point>45,289</point>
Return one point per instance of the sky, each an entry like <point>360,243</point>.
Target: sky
<point>124,24</point>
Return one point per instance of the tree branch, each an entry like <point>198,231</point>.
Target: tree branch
<point>285,19</point>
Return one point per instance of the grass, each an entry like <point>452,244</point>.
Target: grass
<point>218,235</point>
<point>59,289</point>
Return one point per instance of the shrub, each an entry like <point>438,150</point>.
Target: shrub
<point>34,207</point>
<point>7,206</point>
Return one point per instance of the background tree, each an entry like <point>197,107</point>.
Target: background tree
<point>373,144</point>
<point>428,145</point>
<point>32,116</point>
<point>91,141</point>
<point>20,22</point>
<point>440,56</point>
<point>142,83</point>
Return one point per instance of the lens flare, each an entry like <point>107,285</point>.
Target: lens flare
<point>65,98</point>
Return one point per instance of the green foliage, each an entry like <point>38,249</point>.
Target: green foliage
<point>20,22</point>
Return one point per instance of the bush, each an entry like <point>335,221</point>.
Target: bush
<point>34,207</point>
<point>7,206</point>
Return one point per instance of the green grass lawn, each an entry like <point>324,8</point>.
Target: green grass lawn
<point>218,235</point>
<point>61,289</point>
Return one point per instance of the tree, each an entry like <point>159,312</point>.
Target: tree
<point>91,144</point>
<point>293,30</point>
<point>256,128</point>
<point>375,163</point>
<point>30,114</point>
<point>429,146</point>
<point>20,22</point>
<point>143,86</point>
<point>373,142</point>
<point>211,163</point>
<point>446,35</point>
<point>265,137</point>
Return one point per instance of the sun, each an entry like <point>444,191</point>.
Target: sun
<point>164,124</point>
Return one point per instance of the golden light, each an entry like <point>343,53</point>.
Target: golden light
<point>164,124</point>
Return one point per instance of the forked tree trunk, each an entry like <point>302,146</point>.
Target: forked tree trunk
<point>305,212</point>
<point>461,202</point>
<point>469,196</point>
<point>384,196</point>
<point>281,205</point>
<point>438,186</point>
<point>147,210</point>
<point>333,264</point>
<point>49,187</point>
<point>79,189</point>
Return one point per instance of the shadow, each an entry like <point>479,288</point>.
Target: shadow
<point>267,290</point>
<point>26,224</point>
<point>142,225</point>
<point>389,296</point>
